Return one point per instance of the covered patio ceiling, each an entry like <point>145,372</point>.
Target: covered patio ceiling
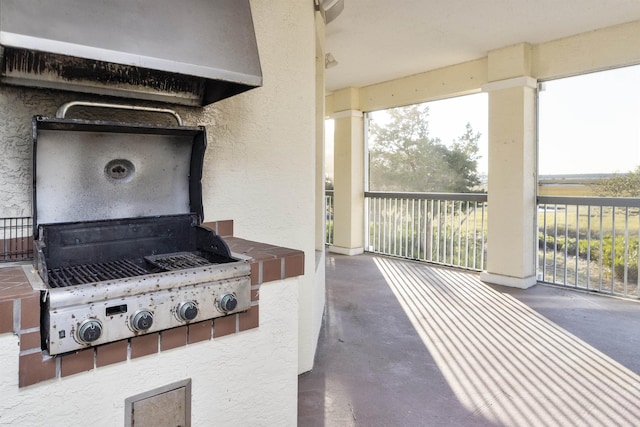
<point>379,40</point>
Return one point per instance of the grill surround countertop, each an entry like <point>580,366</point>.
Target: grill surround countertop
<point>126,196</point>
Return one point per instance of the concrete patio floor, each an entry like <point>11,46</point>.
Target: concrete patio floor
<point>407,344</point>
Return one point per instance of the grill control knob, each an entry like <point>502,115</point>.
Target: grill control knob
<point>142,320</point>
<point>89,331</point>
<point>187,310</point>
<point>228,302</point>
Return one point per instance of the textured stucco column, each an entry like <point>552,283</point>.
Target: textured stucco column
<point>511,256</point>
<point>348,205</point>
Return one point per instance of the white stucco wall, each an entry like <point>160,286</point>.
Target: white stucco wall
<point>260,172</point>
<point>247,379</point>
<point>262,151</point>
<point>263,145</point>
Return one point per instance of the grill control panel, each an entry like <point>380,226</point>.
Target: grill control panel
<point>77,326</point>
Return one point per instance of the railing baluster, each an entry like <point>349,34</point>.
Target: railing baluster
<point>577,267</point>
<point>384,248</point>
<point>555,246</point>
<point>626,249</point>
<point>484,227</point>
<point>452,231</point>
<point>638,257</point>
<point>437,254</point>
<point>613,247</point>
<point>601,256</point>
<point>588,246</point>
<point>419,230</point>
<point>379,225</point>
<point>406,227</point>
<point>414,223</point>
<point>394,226</point>
<point>431,233</point>
<point>445,235</point>
<point>566,241</point>
<point>466,234</point>
<point>459,232</point>
<point>544,243</point>
<point>475,233</point>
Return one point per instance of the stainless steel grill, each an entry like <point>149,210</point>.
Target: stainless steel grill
<point>120,250</point>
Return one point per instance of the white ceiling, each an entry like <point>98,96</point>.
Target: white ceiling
<point>379,40</point>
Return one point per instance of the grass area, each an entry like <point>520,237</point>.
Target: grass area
<point>568,190</point>
<point>579,219</point>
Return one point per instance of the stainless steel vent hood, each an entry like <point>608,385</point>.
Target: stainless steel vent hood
<point>191,52</point>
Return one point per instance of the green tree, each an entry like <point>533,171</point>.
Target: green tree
<point>403,156</point>
<point>620,185</point>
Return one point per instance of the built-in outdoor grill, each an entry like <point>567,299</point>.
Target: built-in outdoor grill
<point>119,249</point>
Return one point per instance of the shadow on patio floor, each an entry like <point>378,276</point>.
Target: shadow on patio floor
<point>406,344</point>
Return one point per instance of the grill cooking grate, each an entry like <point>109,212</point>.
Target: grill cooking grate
<point>89,273</point>
<point>177,261</point>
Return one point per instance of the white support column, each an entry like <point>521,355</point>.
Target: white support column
<point>348,193</point>
<point>511,255</point>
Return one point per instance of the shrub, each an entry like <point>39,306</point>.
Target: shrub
<point>558,244</point>
<point>619,260</point>
<point>596,252</point>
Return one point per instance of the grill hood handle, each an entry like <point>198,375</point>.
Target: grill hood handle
<point>62,111</point>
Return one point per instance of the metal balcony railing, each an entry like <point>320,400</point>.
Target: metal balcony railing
<point>328,206</point>
<point>590,243</point>
<point>441,228</point>
<point>16,241</point>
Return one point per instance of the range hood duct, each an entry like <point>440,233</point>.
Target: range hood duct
<point>190,52</point>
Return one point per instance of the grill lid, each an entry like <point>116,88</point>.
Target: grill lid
<point>90,171</point>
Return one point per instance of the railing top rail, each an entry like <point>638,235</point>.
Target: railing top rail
<point>470,197</point>
<point>619,202</point>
